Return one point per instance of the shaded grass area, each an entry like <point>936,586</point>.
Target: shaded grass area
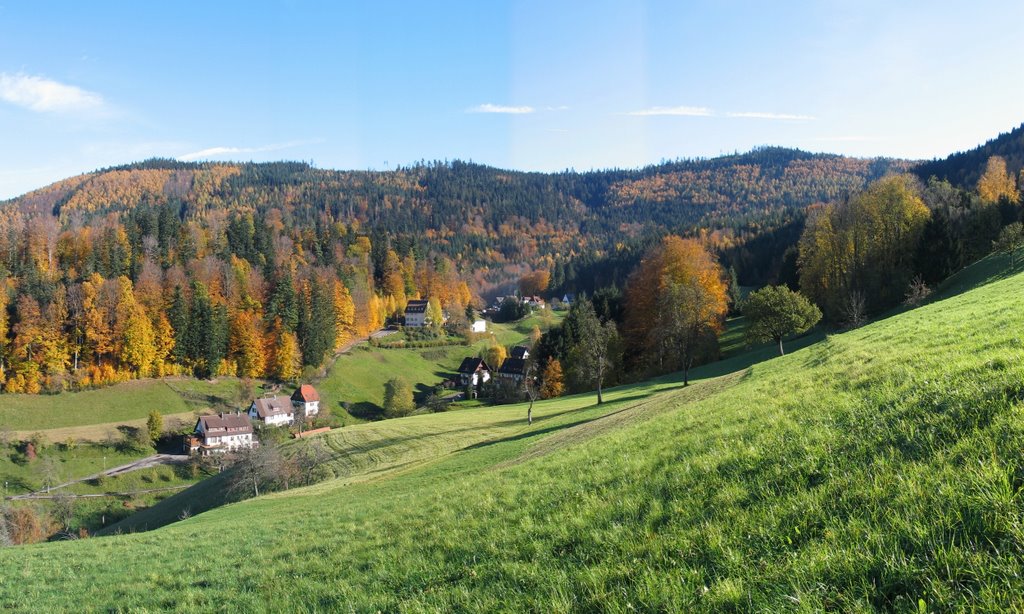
<point>877,470</point>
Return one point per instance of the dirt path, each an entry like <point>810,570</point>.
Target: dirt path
<point>142,463</point>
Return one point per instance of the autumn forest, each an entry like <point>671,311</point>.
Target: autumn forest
<point>261,270</point>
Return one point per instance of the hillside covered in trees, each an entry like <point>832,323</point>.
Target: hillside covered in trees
<point>257,270</point>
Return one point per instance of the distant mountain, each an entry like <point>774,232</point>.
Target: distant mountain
<point>493,223</point>
<point>963,168</point>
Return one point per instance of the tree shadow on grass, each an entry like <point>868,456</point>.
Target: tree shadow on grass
<point>365,410</point>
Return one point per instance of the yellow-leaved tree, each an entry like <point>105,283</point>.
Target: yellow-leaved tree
<point>858,254</point>
<point>676,303</point>
<point>996,183</point>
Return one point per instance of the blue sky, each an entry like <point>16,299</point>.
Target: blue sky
<point>529,85</point>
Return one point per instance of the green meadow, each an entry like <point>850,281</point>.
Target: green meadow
<point>878,469</point>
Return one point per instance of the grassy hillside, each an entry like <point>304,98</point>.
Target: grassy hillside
<point>115,404</point>
<point>357,378</point>
<point>877,470</point>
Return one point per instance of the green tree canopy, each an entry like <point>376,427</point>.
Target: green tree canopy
<point>776,311</point>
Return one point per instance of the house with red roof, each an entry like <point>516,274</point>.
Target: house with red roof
<point>306,399</point>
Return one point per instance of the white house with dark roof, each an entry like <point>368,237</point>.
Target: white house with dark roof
<point>416,313</point>
<point>220,433</point>
<point>273,411</point>
<point>520,351</point>
<point>306,400</point>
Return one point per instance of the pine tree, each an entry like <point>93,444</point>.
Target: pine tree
<point>178,318</point>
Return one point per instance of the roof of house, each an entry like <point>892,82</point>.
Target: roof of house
<point>225,424</point>
<point>520,351</point>
<point>416,306</point>
<point>274,406</point>
<point>471,364</point>
<point>306,394</point>
<point>513,366</point>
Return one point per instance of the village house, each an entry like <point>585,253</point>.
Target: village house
<point>416,313</point>
<point>306,400</point>
<point>479,326</point>
<point>513,369</point>
<point>221,433</point>
<point>273,411</point>
<point>568,300</point>
<point>520,352</point>
<point>474,372</point>
<point>534,302</point>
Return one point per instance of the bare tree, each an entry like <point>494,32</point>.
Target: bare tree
<point>253,468</point>
<point>917,292</point>
<point>855,310</point>
<point>530,385</point>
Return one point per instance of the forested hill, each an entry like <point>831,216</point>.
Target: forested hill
<point>494,224</point>
<point>963,169</point>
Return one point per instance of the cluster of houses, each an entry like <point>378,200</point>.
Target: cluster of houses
<point>474,371</point>
<point>226,432</point>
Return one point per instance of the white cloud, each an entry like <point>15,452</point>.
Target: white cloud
<point>47,96</point>
<point>217,152</point>
<point>498,108</point>
<point>778,116</point>
<point>676,111</point>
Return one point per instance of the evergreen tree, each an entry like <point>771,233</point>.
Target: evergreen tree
<point>178,316</point>
<point>283,303</point>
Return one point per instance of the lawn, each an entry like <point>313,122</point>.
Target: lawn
<point>878,469</point>
<point>117,404</point>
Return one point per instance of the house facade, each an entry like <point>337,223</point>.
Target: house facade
<point>473,372</point>
<point>520,352</point>
<point>513,369</point>
<point>306,400</point>
<point>479,326</point>
<point>416,313</point>
<point>219,433</point>
<point>273,411</point>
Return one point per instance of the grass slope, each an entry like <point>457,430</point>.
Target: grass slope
<point>878,470</point>
<point>119,404</point>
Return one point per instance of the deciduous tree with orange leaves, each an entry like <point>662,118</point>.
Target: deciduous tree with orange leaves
<point>676,304</point>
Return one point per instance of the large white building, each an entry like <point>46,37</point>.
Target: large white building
<point>416,313</point>
<point>273,411</point>
<point>222,433</point>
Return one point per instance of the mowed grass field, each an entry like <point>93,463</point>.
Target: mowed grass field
<point>877,470</point>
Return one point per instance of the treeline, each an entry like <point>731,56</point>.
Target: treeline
<point>494,225</point>
<point>152,290</point>
<point>854,257</point>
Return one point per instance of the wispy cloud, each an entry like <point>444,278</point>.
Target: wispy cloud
<point>686,111</point>
<point>776,116</point>
<point>46,95</point>
<point>676,111</point>
<point>499,108</point>
<point>218,152</point>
